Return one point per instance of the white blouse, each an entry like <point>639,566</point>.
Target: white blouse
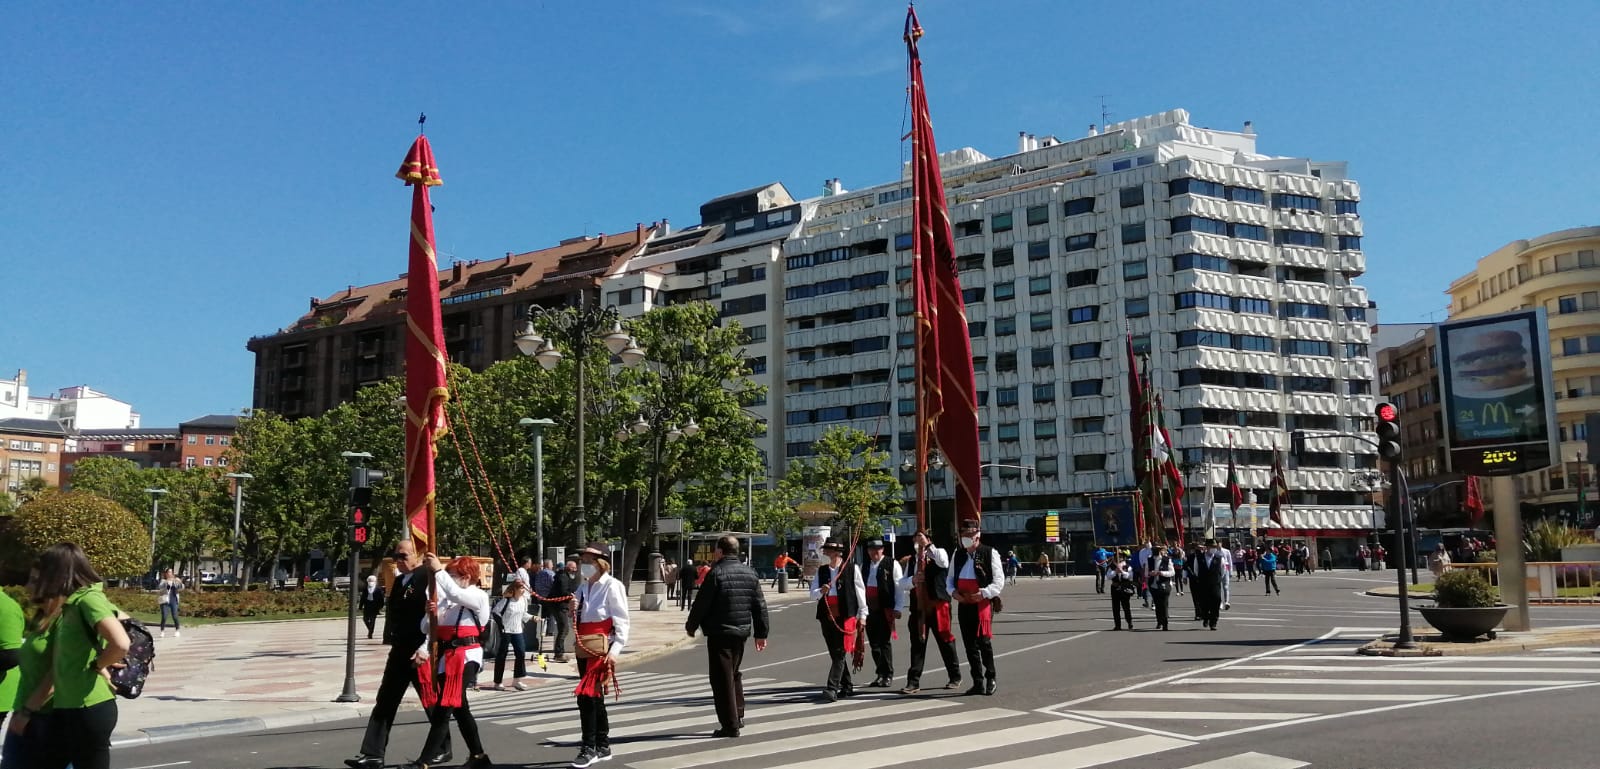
<point>461,606</point>
<point>513,613</point>
<point>603,600</point>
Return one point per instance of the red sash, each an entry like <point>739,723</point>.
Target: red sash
<point>888,614</point>
<point>449,690</point>
<point>985,616</point>
<point>848,626</point>
<point>600,673</point>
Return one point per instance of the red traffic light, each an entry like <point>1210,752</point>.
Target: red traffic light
<point>358,517</point>
<point>1387,412</point>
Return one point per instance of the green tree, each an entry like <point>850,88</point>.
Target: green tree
<point>850,476</point>
<point>110,534</point>
<point>117,479</point>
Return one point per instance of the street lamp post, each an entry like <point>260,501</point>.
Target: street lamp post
<point>238,508</point>
<point>535,427</point>
<point>155,513</point>
<point>908,463</point>
<point>655,591</point>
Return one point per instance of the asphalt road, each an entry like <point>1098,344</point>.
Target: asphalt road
<point>1274,688</point>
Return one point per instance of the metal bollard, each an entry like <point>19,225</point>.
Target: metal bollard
<point>783,582</point>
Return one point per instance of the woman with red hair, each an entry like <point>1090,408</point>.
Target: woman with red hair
<point>462,611</point>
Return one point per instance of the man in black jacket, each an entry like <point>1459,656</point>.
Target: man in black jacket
<point>559,605</point>
<point>402,632</point>
<point>728,608</point>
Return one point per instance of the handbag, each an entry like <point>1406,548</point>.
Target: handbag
<point>592,645</point>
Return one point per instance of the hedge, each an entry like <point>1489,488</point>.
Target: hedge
<point>232,603</point>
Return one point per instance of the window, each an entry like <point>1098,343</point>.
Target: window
<point>1309,384</point>
<point>970,295</point>
<point>1349,242</point>
<point>1135,270</point>
<point>1089,462</point>
<point>1006,290</point>
<point>1005,326</point>
<point>903,273</point>
<point>1132,196</point>
<point>188,461</point>
<point>1047,467</point>
<point>1132,233</point>
<point>1038,215</point>
<point>1136,307</point>
<point>1344,206</point>
<point>1572,346</point>
<point>1006,396</point>
<point>1082,278</point>
<point>1043,357</point>
<point>1593,342</point>
<point>1356,350</point>
<point>1355,313</point>
<point>1089,425</point>
<point>905,373</point>
<point>1249,232</point>
<point>1567,304</point>
<point>1079,242</point>
<point>1038,249</point>
<point>192,440</point>
<point>1178,187</point>
<point>1202,299</point>
<point>1358,386</point>
<point>1000,223</point>
<point>1307,347</point>
<point>1044,429</point>
<point>1084,387</point>
<point>908,407</point>
<point>1005,361</point>
<point>1003,257</point>
<point>906,339</point>
<point>211,440</point>
<point>1303,310</point>
<point>744,305</point>
<point>977,328</point>
<point>1009,432</point>
<point>1039,285</point>
<point>744,275</point>
<point>902,242</point>
<point>963,264</point>
<point>969,228</point>
<point>1083,351</point>
<point>1078,206</point>
<point>1083,314</point>
<point>1247,195</point>
<point>1199,224</point>
<point>1298,238</point>
<point>1122,165</point>
<point>758,365</point>
<point>1251,306</point>
<point>1041,321</point>
<point>1303,202</point>
<point>1044,392</point>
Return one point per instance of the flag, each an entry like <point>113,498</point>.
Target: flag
<point>425,363</point>
<point>1235,494</point>
<point>1278,495</point>
<point>1474,503</point>
<point>946,385</point>
<point>1136,405</point>
<point>1169,466</point>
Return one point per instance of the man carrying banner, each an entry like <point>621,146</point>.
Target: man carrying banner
<point>975,584</point>
<point>841,611</point>
<point>930,611</point>
<point>884,605</point>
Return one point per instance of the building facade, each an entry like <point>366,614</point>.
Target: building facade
<point>76,408</point>
<point>204,442</point>
<point>1557,271</point>
<point>146,447</point>
<point>1408,377</point>
<point>1233,270</point>
<point>30,448</point>
<point>356,337</point>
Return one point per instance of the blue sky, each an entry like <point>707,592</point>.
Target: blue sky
<point>185,175</point>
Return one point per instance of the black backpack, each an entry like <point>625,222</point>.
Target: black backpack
<point>128,681</point>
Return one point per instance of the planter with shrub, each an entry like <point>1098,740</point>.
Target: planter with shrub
<point>1466,606</point>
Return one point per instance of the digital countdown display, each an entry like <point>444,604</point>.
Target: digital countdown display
<point>1498,403</point>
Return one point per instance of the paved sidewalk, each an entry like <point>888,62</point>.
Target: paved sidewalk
<point>241,677</point>
<point>1504,642</point>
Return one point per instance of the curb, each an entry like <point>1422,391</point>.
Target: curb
<point>156,735</point>
<point>1432,646</point>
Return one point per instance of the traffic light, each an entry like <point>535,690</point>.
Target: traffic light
<point>358,526</point>
<point>1388,430</point>
<point>361,480</point>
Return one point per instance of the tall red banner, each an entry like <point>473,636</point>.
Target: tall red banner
<point>945,381</point>
<point>425,362</point>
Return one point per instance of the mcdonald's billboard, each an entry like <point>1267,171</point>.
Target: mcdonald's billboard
<point>1498,400</point>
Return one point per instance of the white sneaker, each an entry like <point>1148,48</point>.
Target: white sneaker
<point>163,634</point>
<point>520,686</point>
<point>177,634</point>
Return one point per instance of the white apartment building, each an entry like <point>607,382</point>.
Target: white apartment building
<point>76,408</point>
<point>731,259</point>
<point>1234,270</point>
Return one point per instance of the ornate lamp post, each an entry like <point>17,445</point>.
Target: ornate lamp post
<point>655,591</point>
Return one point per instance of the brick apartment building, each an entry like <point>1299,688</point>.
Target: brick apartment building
<point>204,442</point>
<point>30,448</point>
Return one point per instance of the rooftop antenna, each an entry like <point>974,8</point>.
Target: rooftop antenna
<point>1105,114</point>
<point>422,117</point>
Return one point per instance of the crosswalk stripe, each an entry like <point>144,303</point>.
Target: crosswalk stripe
<point>1096,755</point>
<point>1281,696</point>
<point>1434,669</point>
<point>754,729</point>
<point>833,738</point>
<point>1251,761</point>
<point>774,693</point>
<point>952,746</point>
<point>1423,682</point>
<point>637,712</point>
<point>1186,715</point>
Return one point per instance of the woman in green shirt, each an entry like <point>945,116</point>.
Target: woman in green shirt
<point>86,641</point>
<point>25,740</point>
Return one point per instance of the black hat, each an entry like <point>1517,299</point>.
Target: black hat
<point>1211,542</point>
<point>833,545</point>
<point>599,552</point>
<point>874,543</point>
<point>969,524</point>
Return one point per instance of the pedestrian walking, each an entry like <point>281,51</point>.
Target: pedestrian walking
<point>669,577</point>
<point>1251,557</point>
<point>406,611</point>
<point>975,582</point>
<point>1102,561</point>
<point>1438,561</point>
<point>1363,557</point>
<point>462,610</point>
<point>1160,580</point>
<point>1325,559</point>
<point>1044,565</point>
<point>1123,589</point>
<point>562,593</point>
<point>512,611</point>
<point>1269,574</point>
<point>371,603</point>
<point>603,621</point>
<point>86,640</point>
<point>544,582</point>
<point>1211,582</point>
<point>1179,575</point>
<point>27,738</point>
<point>1141,557</point>
<point>729,610</point>
<point>780,566</point>
<point>168,589</point>
<point>841,612</point>
<point>925,584</point>
<point>884,607</point>
<point>13,628</point>
<point>686,580</point>
<point>1013,567</point>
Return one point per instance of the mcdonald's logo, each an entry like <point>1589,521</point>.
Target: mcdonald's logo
<point>1496,413</point>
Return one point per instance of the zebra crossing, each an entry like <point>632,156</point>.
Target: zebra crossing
<point>664,721</point>
<point>1319,680</point>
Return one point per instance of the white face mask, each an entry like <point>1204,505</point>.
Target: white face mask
<point>587,570</point>
<point>968,542</point>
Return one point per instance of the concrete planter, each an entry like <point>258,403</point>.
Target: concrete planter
<point>1464,624</point>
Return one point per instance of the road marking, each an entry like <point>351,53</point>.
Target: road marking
<point>1281,696</point>
<point>823,720</point>
<point>952,746</point>
<point>1095,755</point>
<point>753,749</point>
<point>1047,643</point>
<point>785,662</point>
<point>1416,669</point>
<point>160,766</point>
<point>635,712</point>
<point>1423,682</point>
<point>835,714</point>
<point>1187,715</point>
<point>1588,649</point>
<point>1251,761</point>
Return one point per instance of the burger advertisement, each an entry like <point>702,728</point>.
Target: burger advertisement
<point>1498,406</point>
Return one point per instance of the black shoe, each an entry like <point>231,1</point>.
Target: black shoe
<point>1119,627</point>
<point>586,757</point>
<point>364,761</point>
<point>602,753</point>
<point>480,761</point>
<point>850,692</point>
<point>879,683</point>
<point>977,688</point>
<point>438,760</point>
<point>830,695</point>
<point>988,688</point>
<point>730,733</point>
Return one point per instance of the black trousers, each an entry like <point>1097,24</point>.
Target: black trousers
<point>839,657</point>
<point>370,618</point>
<point>592,714</point>
<point>1195,594</point>
<point>1121,608</point>
<point>880,638</point>
<point>1210,607</point>
<point>1159,598</point>
<point>980,650</point>
<point>398,674</point>
<point>724,655</point>
<point>562,612</point>
<point>438,740</point>
<point>923,626</point>
<point>1269,580</point>
<point>1099,580</point>
<point>82,736</point>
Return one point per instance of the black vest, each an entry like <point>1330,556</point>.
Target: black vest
<point>407,606</point>
<point>886,586</point>
<point>933,580</point>
<point>982,561</point>
<point>845,589</point>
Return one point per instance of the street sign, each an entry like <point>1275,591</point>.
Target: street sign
<point>669,525</point>
<point>1497,396</point>
<point>888,536</point>
<point>1052,527</point>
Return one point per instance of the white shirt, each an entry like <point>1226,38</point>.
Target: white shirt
<point>522,576</point>
<point>513,613</point>
<point>861,588</point>
<point>464,606</point>
<point>603,600</point>
<point>968,572</point>
<point>872,580</point>
<point>935,555</point>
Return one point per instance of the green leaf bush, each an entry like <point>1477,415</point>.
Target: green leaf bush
<point>232,604</point>
<point>115,540</point>
<point>1464,589</point>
